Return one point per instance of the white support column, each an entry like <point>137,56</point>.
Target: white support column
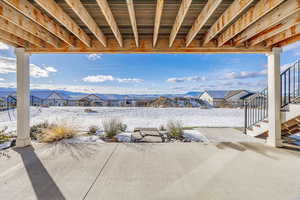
<point>23,98</point>
<point>274,98</point>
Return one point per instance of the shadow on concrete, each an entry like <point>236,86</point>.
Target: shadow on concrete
<point>224,145</point>
<point>44,186</point>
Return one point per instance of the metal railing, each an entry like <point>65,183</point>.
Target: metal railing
<point>256,107</point>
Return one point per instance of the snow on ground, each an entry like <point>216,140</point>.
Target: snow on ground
<point>133,117</point>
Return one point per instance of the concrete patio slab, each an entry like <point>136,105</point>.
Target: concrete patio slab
<point>225,170</point>
<point>216,135</point>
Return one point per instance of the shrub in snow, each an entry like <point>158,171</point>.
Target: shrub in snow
<point>4,138</point>
<point>56,132</point>
<point>161,128</point>
<point>175,129</point>
<point>88,110</point>
<point>112,127</point>
<point>37,129</point>
<point>93,130</point>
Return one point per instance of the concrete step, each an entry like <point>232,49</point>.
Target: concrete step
<point>290,125</point>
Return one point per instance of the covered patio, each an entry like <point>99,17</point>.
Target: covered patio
<point>162,26</point>
<point>225,170</point>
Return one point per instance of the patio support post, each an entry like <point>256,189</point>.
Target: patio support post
<point>274,96</point>
<point>23,99</point>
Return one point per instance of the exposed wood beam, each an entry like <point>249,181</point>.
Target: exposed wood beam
<point>158,14</point>
<point>289,33</point>
<point>12,39</point>
<point>162,46</point>
<point>133,21</point>
<point>30,11</point>
<point>9,43</point>
<point>57,12</point>
<point>250,17</point>
<point>86,18</point>
<point>110,20</point>
<point>15,30</point>
<point>289,41</point>
<point>270,23</point>
<point>28,25</point>
<point>230,15</point>
<point>183,9</point>
<point>275,29</point>
<point>202,18</point>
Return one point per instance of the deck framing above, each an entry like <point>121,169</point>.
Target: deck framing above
<point>149,26</point>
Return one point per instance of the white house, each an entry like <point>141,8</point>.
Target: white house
<point>56,99</point>
<point>213,97</point>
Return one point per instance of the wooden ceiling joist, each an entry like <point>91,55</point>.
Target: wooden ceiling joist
<point>133,21</point>
<point>289,41</point>
<point>12,39</point>
<point>183,9</point>
<point>158,14</point>
<point>250,17</point>
<point>86,18</point>
<point>106,11</point>
<point>82,26</point>
<point>5,25</point>
<point>36,15</point>
<point>28,25</point>
<point>288,10</point>
<point>57,12</point>
<point>202,18</point>
<point>289,33</point>
<point>276,29</point>
<point>230,15</point>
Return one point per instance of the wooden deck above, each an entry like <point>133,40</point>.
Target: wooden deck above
<point>149,26</point>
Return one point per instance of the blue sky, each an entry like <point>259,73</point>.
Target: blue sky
<point>143,73</point>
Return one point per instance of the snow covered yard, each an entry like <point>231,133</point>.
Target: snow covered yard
<point>133,117</point>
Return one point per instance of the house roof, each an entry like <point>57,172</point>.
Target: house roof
<point>217,94</point>
<point>234,92</point>
<point>79,97</point>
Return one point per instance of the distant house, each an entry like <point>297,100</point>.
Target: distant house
<point>214,97</point>
<point>235,98</point>
<point>55,99</point>
<point>225,98</point>
<point>86,100</point>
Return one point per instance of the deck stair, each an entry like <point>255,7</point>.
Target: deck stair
<point>256,108</point>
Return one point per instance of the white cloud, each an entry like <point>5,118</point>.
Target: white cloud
<point>184,79</point>
<point>94,56</point>
<point>2,79</point>
<point>3,46</point>
<point>104,78</point>
<point>51,69</point>
<point>129,80</point>
<point>8,65</point>
<point>244,75</point>
<point>98,78</point>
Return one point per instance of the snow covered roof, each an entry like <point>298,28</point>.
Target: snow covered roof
<point>217,94</point>
<point>79,97</point>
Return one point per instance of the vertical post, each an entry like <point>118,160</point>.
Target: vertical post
<point>246,117</point>
<point>274,98</point>
<point>23,99</point>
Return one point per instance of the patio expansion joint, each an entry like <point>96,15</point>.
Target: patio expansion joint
<point>101,170</point>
